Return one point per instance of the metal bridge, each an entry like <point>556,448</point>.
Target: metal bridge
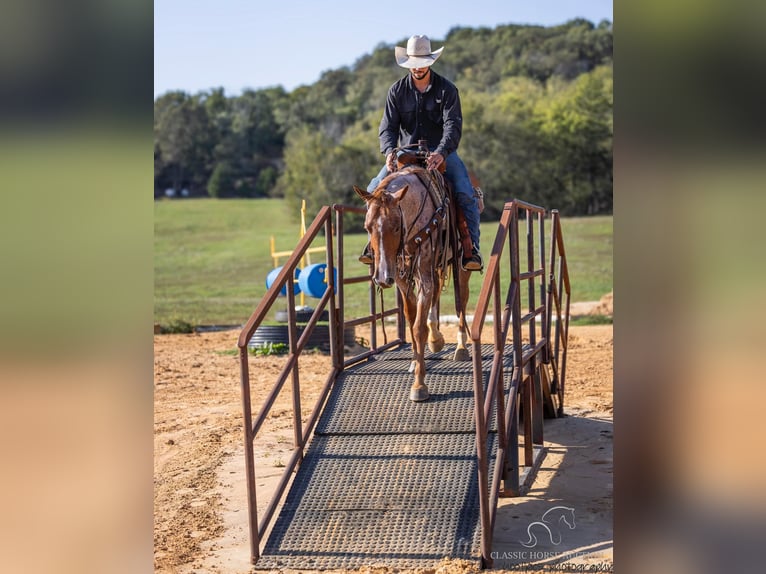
<point>375,479</point>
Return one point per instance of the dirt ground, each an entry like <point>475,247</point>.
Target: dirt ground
<point>200,504</point>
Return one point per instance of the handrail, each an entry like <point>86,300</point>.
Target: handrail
<point>296,345</point>
<point>506,305</point>
<point>525,387</point>
<point>557,356</point>
<point>492,275</point>
<point>332,299</point>
<point>288,270</point>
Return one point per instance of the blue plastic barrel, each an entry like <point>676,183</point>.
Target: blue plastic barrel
<point>272,276</point>
<point>312,279</point>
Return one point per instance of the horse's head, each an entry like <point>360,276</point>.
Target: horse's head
<point>384,225</point>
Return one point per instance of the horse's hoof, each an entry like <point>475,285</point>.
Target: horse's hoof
<point>461,355</point>
<point>419,394</point>
<point>436,345</point>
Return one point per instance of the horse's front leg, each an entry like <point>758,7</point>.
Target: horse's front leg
<point>410,312</point>
<point>419,391</point>
<point>419,331</point>
<point>416,320</point>
<point>435,338</point>
<point>461,350</point>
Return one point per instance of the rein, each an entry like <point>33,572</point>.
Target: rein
<point>439,215</point>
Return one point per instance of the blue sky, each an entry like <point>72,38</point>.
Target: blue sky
<point>237,44</point>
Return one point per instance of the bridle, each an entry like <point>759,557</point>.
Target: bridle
<point>409,245</point>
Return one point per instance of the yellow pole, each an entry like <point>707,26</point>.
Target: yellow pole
<point>306,259</point>
<point>274,258</point>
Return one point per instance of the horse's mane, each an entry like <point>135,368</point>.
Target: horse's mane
<point>383,187</point>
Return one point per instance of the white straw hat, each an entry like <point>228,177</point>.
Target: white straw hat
<point>418,53</point>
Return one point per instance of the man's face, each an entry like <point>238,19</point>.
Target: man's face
<point>419,73</point>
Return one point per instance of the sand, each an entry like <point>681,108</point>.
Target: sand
<point>200,507</point>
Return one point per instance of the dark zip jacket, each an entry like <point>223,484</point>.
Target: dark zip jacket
<point>410,116</point>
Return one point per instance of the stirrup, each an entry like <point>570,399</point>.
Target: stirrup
<point>474,262</point>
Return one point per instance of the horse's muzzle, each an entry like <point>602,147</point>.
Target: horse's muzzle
<point>385,283</point>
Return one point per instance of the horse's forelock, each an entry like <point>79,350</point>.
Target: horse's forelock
<point>379,193</point>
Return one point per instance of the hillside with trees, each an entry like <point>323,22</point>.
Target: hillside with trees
<point>537,124</point>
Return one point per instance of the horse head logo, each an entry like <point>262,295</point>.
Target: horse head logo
<point>550,522</point>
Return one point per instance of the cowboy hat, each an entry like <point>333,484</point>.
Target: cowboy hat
<point>418,53</point>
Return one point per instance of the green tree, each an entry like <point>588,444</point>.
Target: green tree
<point>322,172</point>
<point>537,109</point>
<point>578,126</point>
<point>223,181</point>
<point>184,139</point>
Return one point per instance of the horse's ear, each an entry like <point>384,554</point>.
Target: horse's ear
<point>364,194</point>
<point>399,195</point>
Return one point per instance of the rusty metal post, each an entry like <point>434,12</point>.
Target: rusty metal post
<point>336,335</point>
<point>518,350</point>
<point>252,505</point>
<point>562,381</point>
<point>537,391</point>
<point>481,454</point>
<point>526,395</point>
<point>500,389</point>
<point>292,337</point>
<point>511,485</point>
<point>563,288</point>
<point>531,279</point>
<point>537,400</point>
<point>340,321</point>
<point>552,357</point>
<point>544,323</point>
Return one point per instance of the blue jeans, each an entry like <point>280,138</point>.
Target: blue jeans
<point>457,174</point>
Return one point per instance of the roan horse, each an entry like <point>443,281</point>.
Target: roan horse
<point>408,219</point>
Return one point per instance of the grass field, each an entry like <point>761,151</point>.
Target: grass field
<point>211,259</point>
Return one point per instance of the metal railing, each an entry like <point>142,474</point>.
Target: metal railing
<point>530,387</point>
<point>332,300</point>
<point>530,379</point>
<point>558,287</point>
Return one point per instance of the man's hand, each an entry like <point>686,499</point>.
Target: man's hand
<point>434,160</point>
<point>391,162</point>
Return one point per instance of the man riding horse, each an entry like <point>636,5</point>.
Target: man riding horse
<point>424,106</point>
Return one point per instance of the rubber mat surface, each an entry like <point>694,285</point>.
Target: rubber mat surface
<point>387,481</point>
<point>413,501</point>
<point>374,398</point>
